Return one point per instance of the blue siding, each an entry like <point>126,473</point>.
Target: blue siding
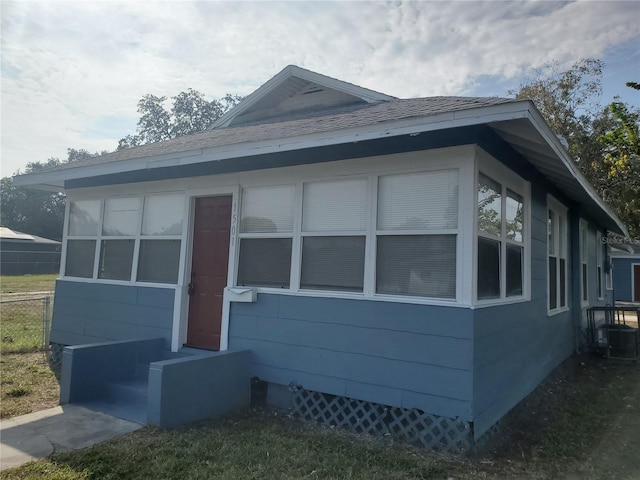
<point>517,345</point>
<point>210,384</point>
<point>94,312</point>
<point>622,278</point>
<point>414,356</point>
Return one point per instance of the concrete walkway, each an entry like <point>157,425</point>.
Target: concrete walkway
<point>58,429</point>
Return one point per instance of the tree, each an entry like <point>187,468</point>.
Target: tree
<point>190,112</point>
<point>620,168</point>
<point>36,212</point>
<point>569,102</point>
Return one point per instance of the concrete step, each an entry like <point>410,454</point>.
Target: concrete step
<point>127,411</point>
<point>142,370</point>
<point>132,391</point>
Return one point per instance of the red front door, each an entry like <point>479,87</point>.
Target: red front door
<point>636,283</point>
<point>209,265</point>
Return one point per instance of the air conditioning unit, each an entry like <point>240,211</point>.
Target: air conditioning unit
<point>619,341</point>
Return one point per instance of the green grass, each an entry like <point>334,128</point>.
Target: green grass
<point>581,426</point>
<point>27,384</point>
<point>253,445</point>
<point>22,325</point>
<point>27,283</point>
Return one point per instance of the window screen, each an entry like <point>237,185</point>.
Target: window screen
<point>488,268</point>
<point>417,265</point>
<point>80,258</point>
<point>158,261</point>
<point>265,262</point>
<point>333,263</point>
<point>116,257</point>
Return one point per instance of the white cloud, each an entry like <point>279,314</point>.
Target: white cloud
<point>71,70</point>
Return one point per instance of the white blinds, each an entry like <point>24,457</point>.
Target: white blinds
<point>335,206</point>
<point>423,201</point>
<point>267,209</point>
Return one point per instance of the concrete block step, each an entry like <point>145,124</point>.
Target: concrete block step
<point>142,370</point>
<point>128,411</point>
<point>132,391</point>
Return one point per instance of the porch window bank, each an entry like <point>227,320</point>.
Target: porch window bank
<point>125,239</point>
<point>410,228</point>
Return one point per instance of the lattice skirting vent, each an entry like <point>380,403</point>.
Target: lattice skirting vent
<point>413,425</point>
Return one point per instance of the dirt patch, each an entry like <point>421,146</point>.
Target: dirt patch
<point>27,384</point>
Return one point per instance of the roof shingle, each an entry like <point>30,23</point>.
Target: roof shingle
<point>303,124</point>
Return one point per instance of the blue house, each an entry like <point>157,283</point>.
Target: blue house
<point>414,266</point>
<point>625,261</point>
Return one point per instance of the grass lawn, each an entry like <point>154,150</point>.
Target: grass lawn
<point>22,325</point>
<point>583,423</point>
<point>27,283</point>
<point>27,384</point>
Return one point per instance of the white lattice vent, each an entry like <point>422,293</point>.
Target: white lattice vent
<point>413,425</point>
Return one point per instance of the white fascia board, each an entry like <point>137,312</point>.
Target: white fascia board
<point>409,126</point>
<point>552,140</point>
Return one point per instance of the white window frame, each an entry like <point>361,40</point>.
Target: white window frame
<point>508,180</point>
<point>584,262</point>
<point>417,232</point>
<point>265,235</point>
<point>331,233</point>
<point>560,212</point>
<point>137,237</point>
<point>608,272</point>
<point>599,266</point>
<point>460,158</point>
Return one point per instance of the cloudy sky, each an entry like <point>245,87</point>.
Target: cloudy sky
<point>72,72</point>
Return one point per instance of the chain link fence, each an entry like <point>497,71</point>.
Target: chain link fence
<point>25,324</point>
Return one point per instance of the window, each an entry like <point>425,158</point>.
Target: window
<point>119,228</point>
<point>334,223</point>
<point>599,266</point>
<point>266,234</point>
<point>82,234</point>
<point>416,236</point>
<point>123,230</point>
<point>500,247</point>
<point>557,256</point>
<point>584,271</point>
<point>159,257</point>
<point>608,271</point>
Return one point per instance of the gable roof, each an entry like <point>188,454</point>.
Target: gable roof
<point>518,122</point>
<point>277,96</point>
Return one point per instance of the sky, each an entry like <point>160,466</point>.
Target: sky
<point>73,72</point>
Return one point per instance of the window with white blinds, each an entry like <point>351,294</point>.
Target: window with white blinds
<point>334,222</point>
<point>421,201</point>
<point>116,231</point>
<point>266,235</point>
<point>417,227</point>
